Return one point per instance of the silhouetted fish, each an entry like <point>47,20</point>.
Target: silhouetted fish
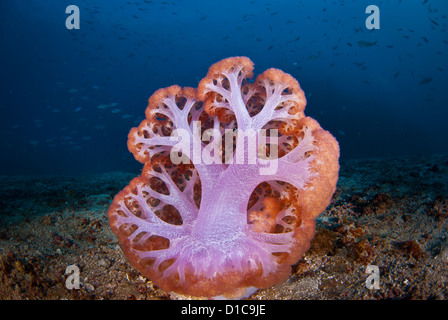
<point>360,65</point>
<point>426,80</point>
<point>433,21</point>
<point>366,44</point>
<point>313,57</point>
<point>296,39</point>
<point>109,105</point>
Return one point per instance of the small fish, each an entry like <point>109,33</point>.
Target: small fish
<point>396,75</point>
<point>434,22</point>
<point>78,109</point>
<point>107,105</point>
<point>366,44</point>
<point>116,110</point>
<point>360,65</point>
<point>313,57</point>
<point>296,39</point>
<point>425,39</point>
<point>426,80</point>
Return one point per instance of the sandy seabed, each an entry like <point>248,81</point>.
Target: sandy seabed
<point>391,213</point>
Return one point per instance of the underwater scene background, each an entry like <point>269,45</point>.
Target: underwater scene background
<point>68,98</point>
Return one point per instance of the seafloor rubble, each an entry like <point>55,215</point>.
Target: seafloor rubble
<point>391,213</point>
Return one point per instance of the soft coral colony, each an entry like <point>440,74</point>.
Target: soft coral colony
<point>222,228</point>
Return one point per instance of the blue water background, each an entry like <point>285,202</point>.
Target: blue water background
<point>383,96</point>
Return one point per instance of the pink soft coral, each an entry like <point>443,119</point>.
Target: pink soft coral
<point>212,223</point>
